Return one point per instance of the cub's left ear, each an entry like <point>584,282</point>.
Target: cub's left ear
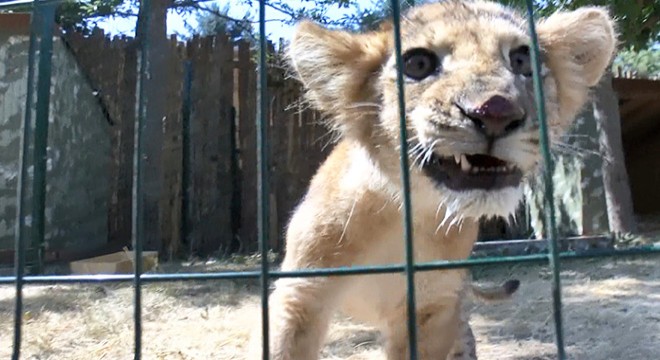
<point>586,37</point>
<point>336,66</point>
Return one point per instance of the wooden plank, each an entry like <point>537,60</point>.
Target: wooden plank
<point>282,161</point>
<point>635,144</point>
<point>224,177</point>
<point>172,154</point>
<point>202,113</point>
<point>125,144</point>
<point>197,85</point>
<point>211,220</point>
<point>640,121</point>
<point>635,88</point>
<point>207,115</point>
<point>247,147</point>
<point>630,105</point>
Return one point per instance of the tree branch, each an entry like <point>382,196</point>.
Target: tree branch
<point>283,11</point>
<point>114,13</point>
<point>239,22</point>
<point>229,18</point>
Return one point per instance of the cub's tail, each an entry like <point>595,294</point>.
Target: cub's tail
<point>495,293</point>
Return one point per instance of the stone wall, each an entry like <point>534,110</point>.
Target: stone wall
<point>78,149</point>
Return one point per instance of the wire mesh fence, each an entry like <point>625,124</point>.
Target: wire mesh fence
<point>32,189</point>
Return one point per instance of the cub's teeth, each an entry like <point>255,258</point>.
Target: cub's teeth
<point>465,164</point>
<point>457,158</point>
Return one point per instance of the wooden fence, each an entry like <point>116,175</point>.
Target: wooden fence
<point>209,194</point>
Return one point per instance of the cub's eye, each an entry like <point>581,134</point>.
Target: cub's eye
<point>419,63</point>
<point>521,63</point>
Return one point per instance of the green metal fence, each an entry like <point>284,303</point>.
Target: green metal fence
<point>35,134</point>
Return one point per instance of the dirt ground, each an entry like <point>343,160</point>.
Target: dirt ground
<point>611,312</point>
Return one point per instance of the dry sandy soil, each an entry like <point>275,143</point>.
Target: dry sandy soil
<point>611,312</point>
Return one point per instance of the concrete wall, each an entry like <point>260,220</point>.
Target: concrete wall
<point>78,149</point>
<point>579,195</point>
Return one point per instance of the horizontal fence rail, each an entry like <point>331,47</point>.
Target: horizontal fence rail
<point>35,140</point>
<point>338,271</point>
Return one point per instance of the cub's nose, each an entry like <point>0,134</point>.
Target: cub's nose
<point>495,117</point>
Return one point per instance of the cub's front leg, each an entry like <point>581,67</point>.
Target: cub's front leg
<point>300,309</point>
<point>436,333</point>
<point>465,345</point>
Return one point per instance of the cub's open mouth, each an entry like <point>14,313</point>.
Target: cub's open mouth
<point>472,172</point>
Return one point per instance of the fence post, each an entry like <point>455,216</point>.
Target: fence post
<point>46,17</point>
<point>153,84</point>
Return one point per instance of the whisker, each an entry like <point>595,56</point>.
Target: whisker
<point>429,152</point>
<point>363,112</point>
<point>413,151</point>
<point>437,211</point>
<point>418,157</point>
<point>364,105</point>
<point>528,151</point>
<point>444,220</point>
<point>350,216</point>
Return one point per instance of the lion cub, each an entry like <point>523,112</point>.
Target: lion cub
<point>473,134</point>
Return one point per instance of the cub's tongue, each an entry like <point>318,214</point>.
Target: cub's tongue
<point>482,160</point>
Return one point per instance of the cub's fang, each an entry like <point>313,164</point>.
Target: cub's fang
<point>465,164</point>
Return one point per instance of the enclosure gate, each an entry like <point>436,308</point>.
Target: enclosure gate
<point>41,34</point>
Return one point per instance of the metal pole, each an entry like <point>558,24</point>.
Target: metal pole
<point>262,176</point>
<point>550,223</point>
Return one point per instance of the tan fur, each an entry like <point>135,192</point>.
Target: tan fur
<point>352,214</point>
<point>465,347</point>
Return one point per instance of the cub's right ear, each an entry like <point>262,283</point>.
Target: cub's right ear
<point>335,66</point>
<point>585,37</point>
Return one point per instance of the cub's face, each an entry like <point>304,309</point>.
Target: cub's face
<point>470,113</point>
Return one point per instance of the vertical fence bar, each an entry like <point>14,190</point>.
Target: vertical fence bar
<point>21,198</point>
<point>550,224</point>
<point>40,154</point>
<point>405,182</point>
<point>139,161</point>
<point>186,158</point>
<point>262,177</point>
